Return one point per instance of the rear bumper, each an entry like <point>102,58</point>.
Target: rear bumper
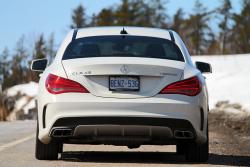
<point>122,130</point>
<point>173,113</point>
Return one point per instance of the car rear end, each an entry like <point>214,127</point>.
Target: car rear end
<point>127,89</point>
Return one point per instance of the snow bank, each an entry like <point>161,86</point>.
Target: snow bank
<point>29,89</point>
<point>230,79</point>
<point>23,96</point>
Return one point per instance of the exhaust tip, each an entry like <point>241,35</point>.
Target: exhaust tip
<point>182,134</point>
<point>61,132</point>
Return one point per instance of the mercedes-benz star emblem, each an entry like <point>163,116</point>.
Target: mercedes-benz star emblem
<point>124,69</point>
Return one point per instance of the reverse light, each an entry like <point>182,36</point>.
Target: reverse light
<point>189,87</point>
<point>57,85</point>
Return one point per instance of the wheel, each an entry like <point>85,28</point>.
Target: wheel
<point>181,149</point>
<point>46,151</point>
<point>198,153</point>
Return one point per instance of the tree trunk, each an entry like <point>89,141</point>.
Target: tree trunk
<point>2,109</point>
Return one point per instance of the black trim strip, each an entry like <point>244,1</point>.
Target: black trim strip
<point>202,118</point>
<point>44,116</point>
<point>74,34</point>
<point>167,122</point>
<point>171,35</point>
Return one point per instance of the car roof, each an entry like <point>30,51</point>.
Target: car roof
<point>116,30</point>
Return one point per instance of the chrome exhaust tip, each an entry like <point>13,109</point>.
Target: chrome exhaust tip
<point>61,132</point>
<point>182,134</point>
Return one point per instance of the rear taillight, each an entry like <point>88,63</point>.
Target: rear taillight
<point>189,87</point>
<point>56,85</point>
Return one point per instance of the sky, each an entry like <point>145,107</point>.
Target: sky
<point>33,17</point>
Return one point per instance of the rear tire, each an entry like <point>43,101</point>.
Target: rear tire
<point>181,149</point>
<point>60,147</point>
<point>198,153</point>
<point>46,151</point>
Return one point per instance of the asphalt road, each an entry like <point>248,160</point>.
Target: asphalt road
<point>17,141</point>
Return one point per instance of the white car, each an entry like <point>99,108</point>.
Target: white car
<point>124,86</point>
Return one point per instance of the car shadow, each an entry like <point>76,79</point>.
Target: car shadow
<point>149,158</point>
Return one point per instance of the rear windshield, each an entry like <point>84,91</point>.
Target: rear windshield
<point>123,46</point>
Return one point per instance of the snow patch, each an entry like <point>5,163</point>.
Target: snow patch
<point>230,79</point>
<point>31,104</point>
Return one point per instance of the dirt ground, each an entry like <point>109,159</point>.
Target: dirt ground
<point>230,134</point>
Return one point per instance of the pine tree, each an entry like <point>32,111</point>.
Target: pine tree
<point>225,12</point>
<point>124,15</point>
<point>214,45</point>
<point>78,18</point>
<point>105,18</point>
<point>159,16</point>
<point>39,52</point>
<point>150,13</point>
<point>93,21</point>
<point>143,14</point>
<point>4,68</point>
<point>241,29</point>
<point>197,28</point>
<point>19,63</point>
<point>40,49</point>
<point>132,13</point>
<point>178,21</point>
<point>51,52</point>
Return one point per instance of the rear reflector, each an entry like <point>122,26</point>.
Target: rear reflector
<point>189,87</point>
<point>57,85</point>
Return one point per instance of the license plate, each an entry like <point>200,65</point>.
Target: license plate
<point>124,83</point>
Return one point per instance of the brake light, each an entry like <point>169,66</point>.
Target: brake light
<point>57,85</point>
<point>189,87</point>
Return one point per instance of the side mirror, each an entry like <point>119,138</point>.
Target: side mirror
<point>39,65</point>
<point>203,67</point>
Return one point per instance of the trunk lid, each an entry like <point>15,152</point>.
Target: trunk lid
<point>94,73</point>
